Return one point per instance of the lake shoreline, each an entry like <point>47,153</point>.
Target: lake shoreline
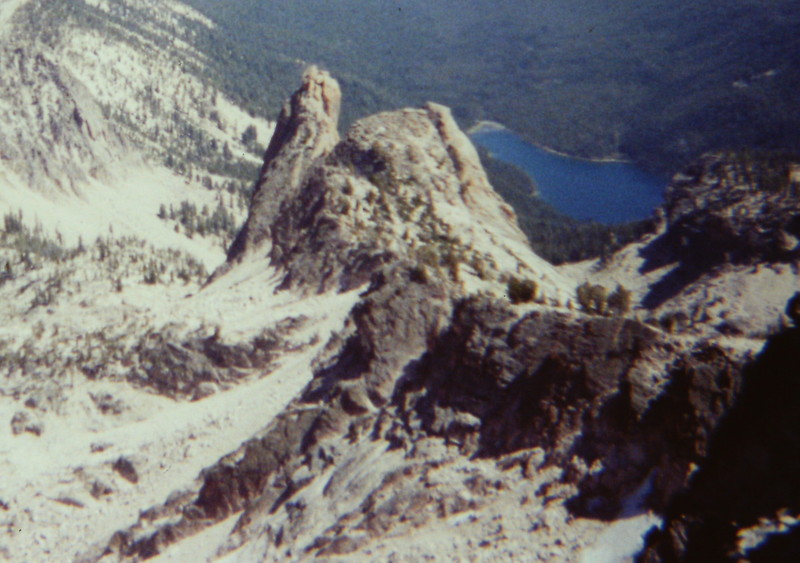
<point>609,191</point>
<point>488,126</point>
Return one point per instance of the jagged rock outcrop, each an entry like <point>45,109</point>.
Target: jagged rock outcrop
<point>195,366</point>
<point>743,503</point>
<point>389,329</point>
<point>306,131</point>
<point>406,184</point>
<point>615,394</point>
<point>382,194</point>
<point>722,212</point>
<point>617,405</point>
<point>439,397</point>
<point>718,210</point>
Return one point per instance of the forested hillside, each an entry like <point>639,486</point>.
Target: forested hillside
<point>658,81</point>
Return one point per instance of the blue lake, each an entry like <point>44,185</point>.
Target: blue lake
<point>606,192</point>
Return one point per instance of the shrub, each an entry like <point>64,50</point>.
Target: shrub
<point>619,302</point>
<point>678,321</point>
<point>452,261</point>
<point>521,291</point>
<point>593,299</point>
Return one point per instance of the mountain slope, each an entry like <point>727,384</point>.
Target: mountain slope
<point>106,99</point>
<point>441,413</point>
<point>381,369</point>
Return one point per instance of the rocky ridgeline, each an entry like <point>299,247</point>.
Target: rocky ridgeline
<point>401,185</point>
<point>533,422</point>
<point>725,212</point>
<point>744,502</point>
<point>724,209</point>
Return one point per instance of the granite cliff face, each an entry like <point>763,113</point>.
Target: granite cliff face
<point>304,133</point>
<point>55,136</point>
<point>403,185</point>
<point>441,415</point>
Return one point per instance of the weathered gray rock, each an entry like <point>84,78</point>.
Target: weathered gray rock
<point>715,215</point>
<point>406,184</point>
<point>609,391</point>
<point>306,131</point>
<point>55,136</point>
<point>743,500</point>
<point>421,378</point>
<point>386,332</point>
<point>126,469</point>
<point>193,367</point>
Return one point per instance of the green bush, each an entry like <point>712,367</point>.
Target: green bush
<point>521,291</point>
<point>619,302</point>
<point>593,299</point>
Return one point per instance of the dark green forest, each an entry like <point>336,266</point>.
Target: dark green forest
<point>660,82</point>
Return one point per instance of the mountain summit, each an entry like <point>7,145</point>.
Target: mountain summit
<point>403,185</point>
<point>304,133</point>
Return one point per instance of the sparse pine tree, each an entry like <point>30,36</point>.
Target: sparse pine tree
<point>583,297</point>
<point>599,297</point>
<point>593,299</point>
<point>250,136</point>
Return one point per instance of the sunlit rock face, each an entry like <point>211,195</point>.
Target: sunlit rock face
<point>305,133</point>
<point>402,184</point>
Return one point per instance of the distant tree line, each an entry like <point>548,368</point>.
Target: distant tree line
<point>669,81</point>
<point>204,222</point>
<point>769,171</point>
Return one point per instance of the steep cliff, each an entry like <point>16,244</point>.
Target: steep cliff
<point>402,185</point>
<point>305,132</point>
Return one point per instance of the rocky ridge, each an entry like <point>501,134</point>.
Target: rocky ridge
<point>403,185</point>
<point>405,377</point>
<point>744,502</point>
<point>439,405</point>
<point>725,257</point>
